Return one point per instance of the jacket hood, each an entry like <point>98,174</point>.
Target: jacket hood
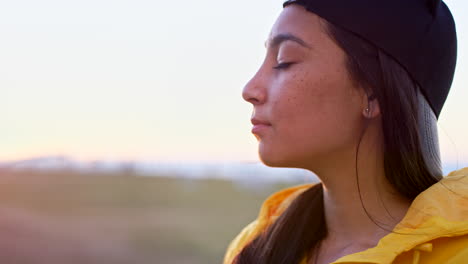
<point>439,212</point>
<point>434,229</point>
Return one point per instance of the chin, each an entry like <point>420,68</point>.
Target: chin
<point>273,159</point>
<point>281,158</point>
<point>270,163</point>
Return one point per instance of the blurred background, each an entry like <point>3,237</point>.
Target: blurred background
<point>124,137</point>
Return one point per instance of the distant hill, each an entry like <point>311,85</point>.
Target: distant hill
<point>241,172</point>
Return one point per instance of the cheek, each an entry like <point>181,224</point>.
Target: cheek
<point>314,113</point>
<point>302,102</point>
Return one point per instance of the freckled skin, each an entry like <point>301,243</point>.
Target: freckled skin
<point>315,110</point>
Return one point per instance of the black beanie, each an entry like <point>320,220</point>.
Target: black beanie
<point>419,34</point>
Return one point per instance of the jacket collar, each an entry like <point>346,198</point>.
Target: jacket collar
<point>440,211</point>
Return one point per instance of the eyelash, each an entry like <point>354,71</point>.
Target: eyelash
<point>283,65</point>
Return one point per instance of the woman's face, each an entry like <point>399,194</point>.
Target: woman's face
<point>304,95</point>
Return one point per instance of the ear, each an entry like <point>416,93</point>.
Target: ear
<point>373,106</point>
<point>433,6</point>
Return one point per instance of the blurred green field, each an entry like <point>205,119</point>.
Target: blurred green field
<point>66,217</point>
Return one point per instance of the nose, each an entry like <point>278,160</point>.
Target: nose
<point>254,91</point>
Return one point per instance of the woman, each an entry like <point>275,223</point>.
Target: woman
<point>351,90</point>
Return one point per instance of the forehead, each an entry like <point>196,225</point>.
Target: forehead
<point>297,21</point>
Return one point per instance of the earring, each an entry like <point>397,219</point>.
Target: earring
<point>367,111</point>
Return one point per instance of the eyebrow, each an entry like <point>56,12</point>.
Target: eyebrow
<point>280,38</point>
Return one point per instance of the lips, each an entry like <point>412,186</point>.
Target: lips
<point>256,121</point>
<point>259,125</point>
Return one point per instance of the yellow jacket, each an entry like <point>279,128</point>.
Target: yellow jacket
<point>437,218</point>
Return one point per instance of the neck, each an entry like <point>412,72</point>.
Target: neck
<point>354,206</point>
<point>362,215</point>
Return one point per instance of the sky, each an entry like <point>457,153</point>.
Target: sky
<point>152,80</point>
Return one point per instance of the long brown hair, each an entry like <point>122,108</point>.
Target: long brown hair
<point>302,225</point>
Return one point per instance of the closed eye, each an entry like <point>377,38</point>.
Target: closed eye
<point>283,65</point>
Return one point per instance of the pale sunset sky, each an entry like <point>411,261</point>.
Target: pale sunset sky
<point>152,80</point>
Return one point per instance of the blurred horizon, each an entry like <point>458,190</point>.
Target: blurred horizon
<point>141,80</point>
<point>244,172</point>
